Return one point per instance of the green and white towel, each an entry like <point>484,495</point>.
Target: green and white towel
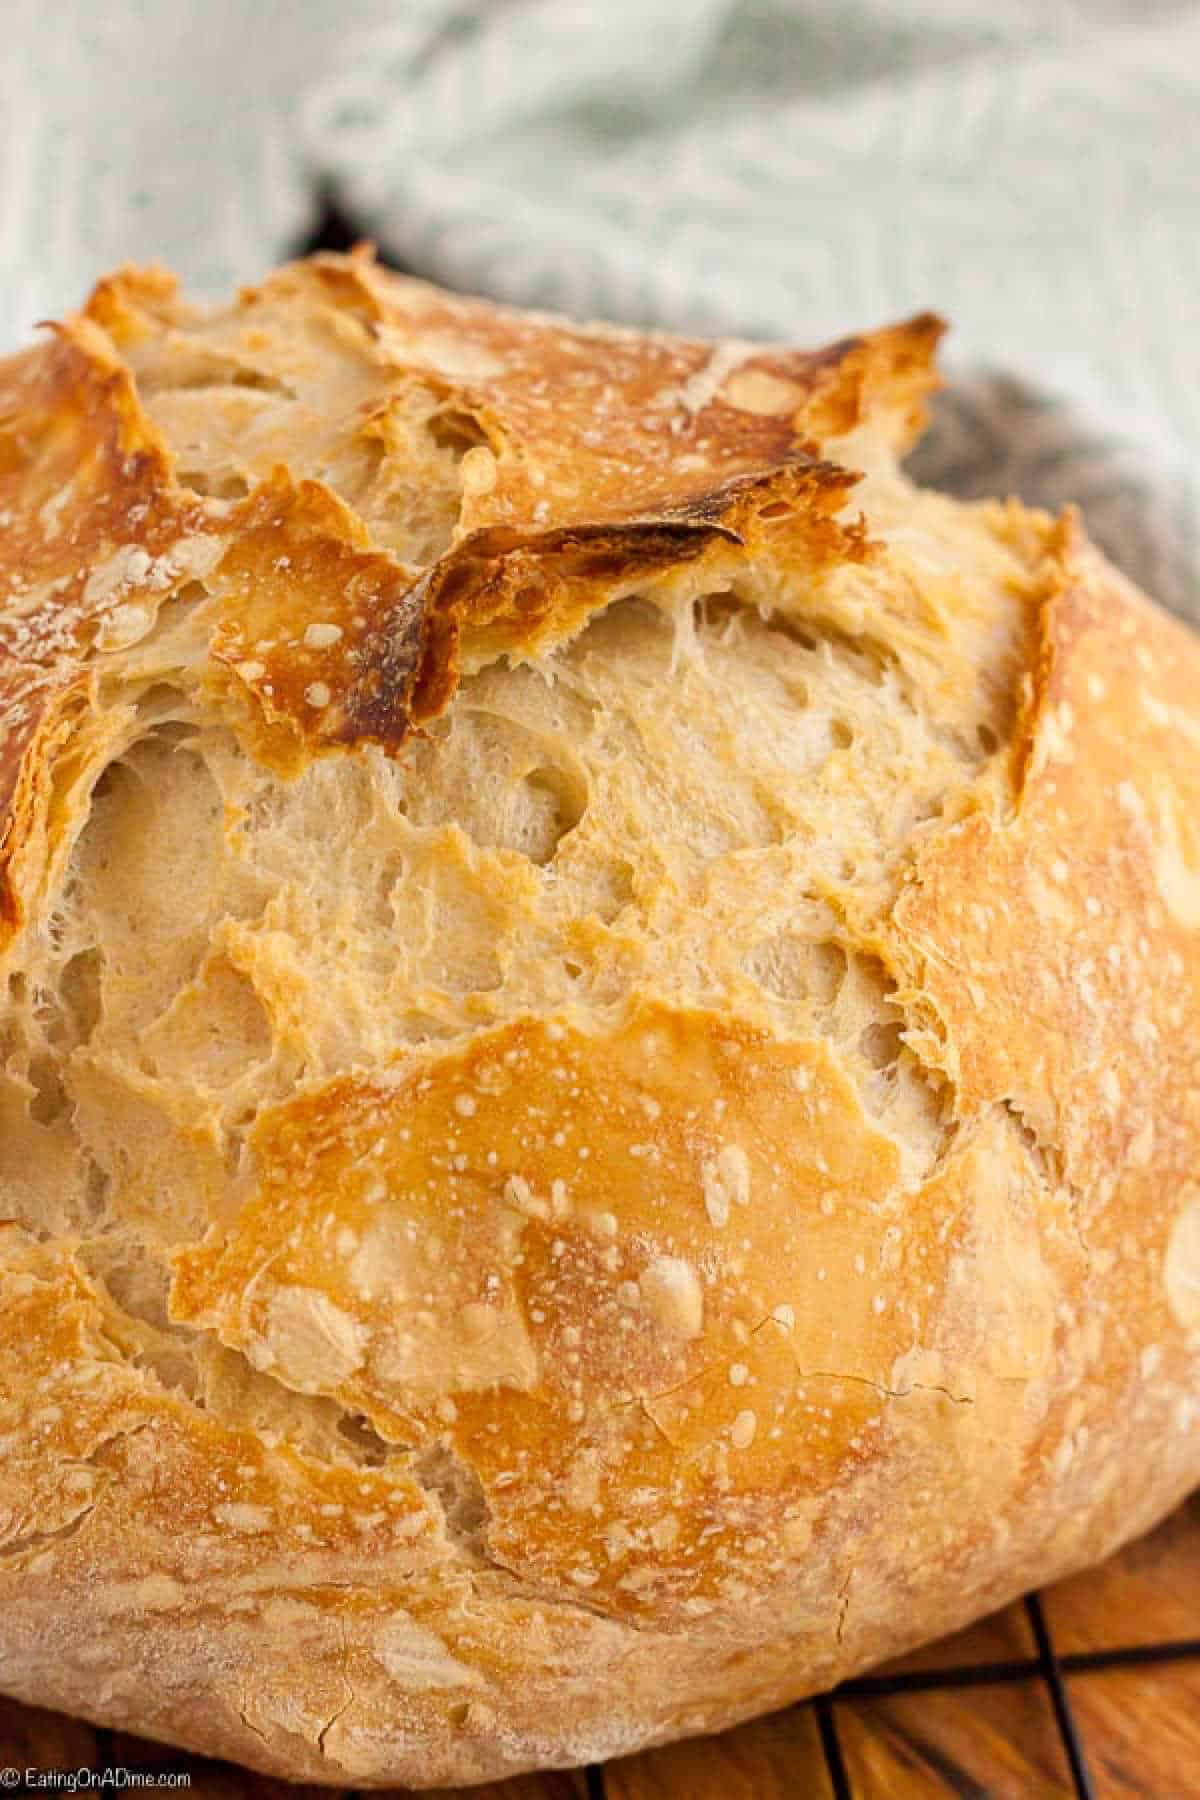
<point>757,167</point>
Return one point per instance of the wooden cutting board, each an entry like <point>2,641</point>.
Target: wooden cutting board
<point>973,1717</point>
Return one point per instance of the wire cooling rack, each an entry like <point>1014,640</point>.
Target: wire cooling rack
<point>1048,1667</point>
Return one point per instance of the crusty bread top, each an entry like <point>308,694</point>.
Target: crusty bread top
<point>500,475</point>
<point>598,1003</point>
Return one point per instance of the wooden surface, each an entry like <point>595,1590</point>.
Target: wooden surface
<point>1139,1725</point>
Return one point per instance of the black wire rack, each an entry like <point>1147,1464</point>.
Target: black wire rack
<point>1048,1667</point>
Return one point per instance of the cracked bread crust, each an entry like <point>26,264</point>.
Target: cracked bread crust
<point>598,1115</point>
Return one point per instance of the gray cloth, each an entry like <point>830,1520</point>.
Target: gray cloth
<point>1031,170</point>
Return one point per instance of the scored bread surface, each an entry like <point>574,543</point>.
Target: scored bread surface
<point>598,1109</point>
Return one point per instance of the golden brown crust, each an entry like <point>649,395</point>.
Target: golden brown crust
<point>607,456</point>
<point>588,423</point>
<point>759,1258</point>
<point>602,457</point>
<point>90,516</point>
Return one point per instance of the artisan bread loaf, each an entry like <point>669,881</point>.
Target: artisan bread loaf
<point>599,1111</point>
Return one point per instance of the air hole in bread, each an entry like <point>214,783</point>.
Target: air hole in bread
<point>179,635</point>
<point>613,889</point>
<point>49,1102</point>
<point>214,484</point>
<point>882,1044</point>
<point>358,467</point>
<point>507,787</point>
<point>96,1187</point>
<point>171,1365</point>
<point>176,731</point>
<point>206,369</point>
<point>215,1031</point>
<point>163,708</point>
<point>146,862</point>
<point>989,742</point>
<point>79,990</point>
<point>228,1387</point>
<point>456,431</point>
<point>563,797</point>
<point>457,1491</point>
<point>794,968</point>
<point>133,1276</point>
<point>370,1450</point>
<point>260,380</point>
<point>842,734</point>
